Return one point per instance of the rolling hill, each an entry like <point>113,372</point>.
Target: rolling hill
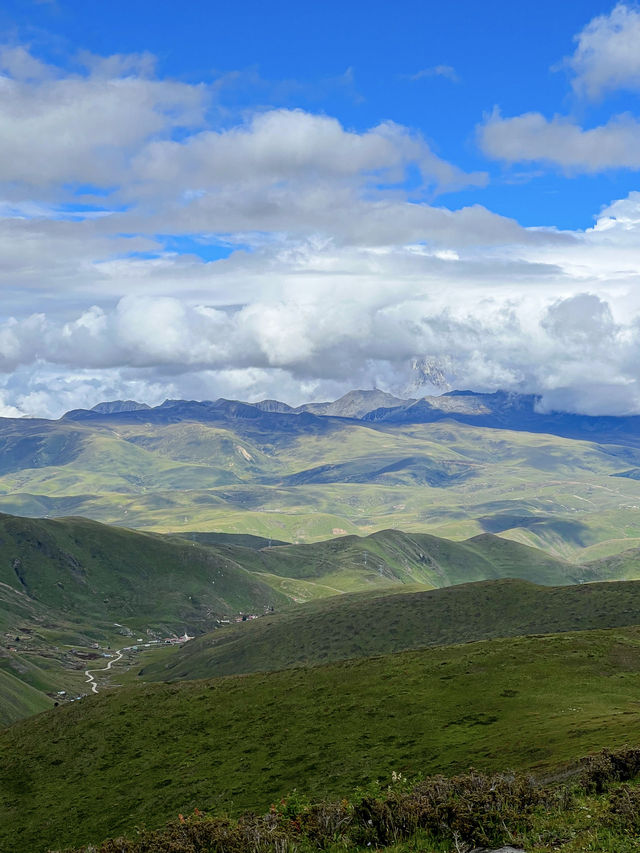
<point>69,584</point>
<point>138,755</point>
<point>369,624</point>
<point>454,466</point>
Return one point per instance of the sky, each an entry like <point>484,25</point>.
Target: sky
<point>291,200</point>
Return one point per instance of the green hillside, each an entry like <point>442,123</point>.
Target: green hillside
<point>67,585</point>
<point>618,566</point>
<point>70,583</point>
<point>300,478</point>
<point>140,755</point>
<point>391,557</point>
<point>93,573</point>
<point>367,624</point>
<point>19,699</point>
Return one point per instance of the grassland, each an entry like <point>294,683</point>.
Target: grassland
<point>72,583</point>
<point>304,480</point>
<point>137,755</point>
<point>96,574</point>
<point>66,585</point>
<point>368,624</point>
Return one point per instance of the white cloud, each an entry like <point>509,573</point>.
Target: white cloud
<point>447,71</point>
<point>280,149</point>
<point>532,137</point>
<point>606,59</point>
<point>340,277</point>
<point>607,56</point>
<point>60,127</point>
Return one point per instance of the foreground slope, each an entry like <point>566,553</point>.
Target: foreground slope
<point>363,625</point>
<point>137,756</point>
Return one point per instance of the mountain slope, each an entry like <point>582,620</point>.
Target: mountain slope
<point>67,584</point>
<point>72,582</point>
<point>366,624</point>
<point>266,471</point>
<point>505,410</point>
<point>91,572</point>
<point>139,756</point>
<point>393,556</point>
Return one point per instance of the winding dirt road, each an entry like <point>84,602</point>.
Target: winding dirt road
<point>91,680</point>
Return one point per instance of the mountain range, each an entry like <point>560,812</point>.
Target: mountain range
<point>455,466</point>
<point>465,557</point>
<point>498,410</point>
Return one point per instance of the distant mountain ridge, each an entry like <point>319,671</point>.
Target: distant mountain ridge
<point>497,410</point>
<point>454,465</point>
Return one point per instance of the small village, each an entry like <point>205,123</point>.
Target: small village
<point>24,641</point>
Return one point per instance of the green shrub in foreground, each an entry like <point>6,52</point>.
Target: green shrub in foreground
<point>457,813</point>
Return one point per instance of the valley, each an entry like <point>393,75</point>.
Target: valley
<point>453,466</point>
<point>266,600</point>
<point>72,589</point>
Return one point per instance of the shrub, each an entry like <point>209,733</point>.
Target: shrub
<point>625,808</point>
<point>469,810</point>
<point>601,770</point>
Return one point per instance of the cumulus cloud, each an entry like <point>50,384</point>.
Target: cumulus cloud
<point>60,127</point>
<point>607,56</point>
<point>284,145</point>
<point>318,333</point>
<point>341,272</point>
<point>606,59</point>
<point>532,137</point>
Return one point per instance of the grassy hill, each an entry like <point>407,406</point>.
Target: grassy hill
<point>93,573</point>
<point>391,557</point>
<point>68,583</point>
<point>366,624</point>
<point>139,755</point>
<point>300,478</point>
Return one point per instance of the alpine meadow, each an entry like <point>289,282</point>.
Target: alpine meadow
<point>319,427</point>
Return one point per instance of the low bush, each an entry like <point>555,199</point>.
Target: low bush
<point>601,770</point>
<point>465,811</point>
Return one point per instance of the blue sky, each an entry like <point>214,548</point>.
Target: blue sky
<point>289,200</point>
<point>356,61</point>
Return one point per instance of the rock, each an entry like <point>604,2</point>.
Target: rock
<point>499,850</point>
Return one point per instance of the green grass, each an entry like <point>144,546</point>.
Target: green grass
<point>310,482</point>
<point>98,574</point>
<point>391,557</point>
<point>19,699</point>
<point>139,755</point>
<point>74,582</point>
<point>367,624</point>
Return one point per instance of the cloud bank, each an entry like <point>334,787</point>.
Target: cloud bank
<point>152,245</point>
